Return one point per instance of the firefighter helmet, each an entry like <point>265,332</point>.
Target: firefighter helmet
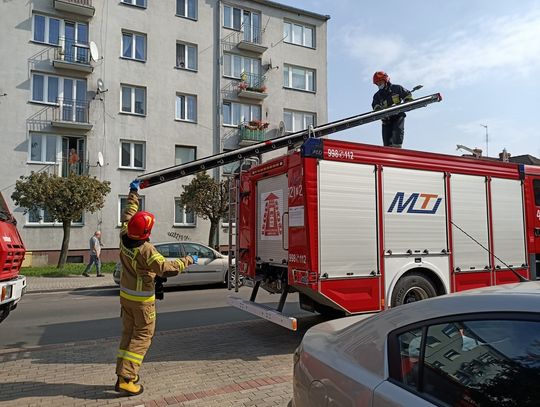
<point>140,225</point>
<point>380,76</point>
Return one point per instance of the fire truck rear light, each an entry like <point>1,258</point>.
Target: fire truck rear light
<point>4,292</point>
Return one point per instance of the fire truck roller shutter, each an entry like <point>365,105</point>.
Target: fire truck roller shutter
<point>347,220</point>
<point>508,224</point>
<point>470,213</point>
<point>415,226</point>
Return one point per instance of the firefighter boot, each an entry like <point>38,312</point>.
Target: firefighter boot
<point>128,386</point>
<point>117,384</point>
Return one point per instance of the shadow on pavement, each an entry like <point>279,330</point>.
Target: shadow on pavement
<point>110,291</point>
<point>73,390</point>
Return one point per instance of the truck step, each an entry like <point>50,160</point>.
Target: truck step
<point>263,311</point>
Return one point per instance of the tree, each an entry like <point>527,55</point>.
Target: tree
<point>64,198</point>
<point>208,199</point>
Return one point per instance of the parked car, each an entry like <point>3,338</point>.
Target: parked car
<point>211,268</point>
<point>475,348</point>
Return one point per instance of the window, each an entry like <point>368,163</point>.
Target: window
<point>184,154</point>
<point>481,361</point>
<point>298,78</point>
<point>243,20</point>
<point>296,121</point>
<point>232,17</point>
<point>122,202</point>
<point>170,250</point>
<point>42,217</point>
<point>181,216</point>
<point>133,100</point>
<point>238,113</point>
<point>43,148</point>
<point>536,187</point>
<point>134,46</point>
<point>186,108</point>
<point>46,29</point>
<point>186,8</point>
<point>132,154</point>
<point>186,56</point>
<point>45,88</point>
<point>298,34</point>
<point>198,250</point>
<point>235,65</point>
<point>139,3</point>
<point>409,352</point>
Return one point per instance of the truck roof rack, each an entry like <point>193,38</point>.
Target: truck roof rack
<point>289,140</point>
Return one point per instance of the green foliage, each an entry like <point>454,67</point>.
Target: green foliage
<point>208,199</point>
<point>69,269</point>
<point>64,198</point>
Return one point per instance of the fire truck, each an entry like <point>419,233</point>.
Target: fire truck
<point>356,228</point>
<point>12,251</point>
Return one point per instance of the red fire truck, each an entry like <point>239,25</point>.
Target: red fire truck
<point>357,228</point>
<point>12,285</point>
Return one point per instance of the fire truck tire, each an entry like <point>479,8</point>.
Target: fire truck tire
<point>411,288</point>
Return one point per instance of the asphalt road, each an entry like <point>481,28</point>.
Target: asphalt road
<point>79,315</point>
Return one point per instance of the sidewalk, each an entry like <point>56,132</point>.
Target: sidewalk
<point>45,284</point>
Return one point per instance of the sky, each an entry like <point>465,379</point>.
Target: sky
<point>483,56</point>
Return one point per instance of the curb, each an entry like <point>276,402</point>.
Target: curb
<point>58,290</point>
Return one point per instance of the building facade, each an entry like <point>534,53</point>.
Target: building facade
<point>116,89</point>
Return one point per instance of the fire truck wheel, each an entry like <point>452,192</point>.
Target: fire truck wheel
<point>411,288</point>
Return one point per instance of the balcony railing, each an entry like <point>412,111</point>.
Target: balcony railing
<point>82,7</point>
<point>70,166</point>
<point>71,113</point>
<point>252,132</point>
<point>252,86</point>
<point>250,38</point>
<point>72,55</point>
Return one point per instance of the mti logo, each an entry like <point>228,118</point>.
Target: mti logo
<point>410,204</point>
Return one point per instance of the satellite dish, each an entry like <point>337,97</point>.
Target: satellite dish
<point>100,85</point>
<point>100,159</point>
<point>94,53</point>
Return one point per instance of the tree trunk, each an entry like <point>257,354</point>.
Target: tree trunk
<point>66,226</point>
<point>212,238</point>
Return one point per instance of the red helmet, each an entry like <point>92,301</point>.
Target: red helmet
<point>379,77</point>
<point>140,225</point>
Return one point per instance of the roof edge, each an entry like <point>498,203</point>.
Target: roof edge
<point>284,7</point>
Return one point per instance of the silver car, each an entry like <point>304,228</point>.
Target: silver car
<point>211,268</point>
<point>476,348</point>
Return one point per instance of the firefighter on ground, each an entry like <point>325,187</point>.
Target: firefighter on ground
<point>393,127</point>
<point>141,262</point>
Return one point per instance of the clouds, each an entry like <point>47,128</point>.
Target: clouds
<point>507,46</point>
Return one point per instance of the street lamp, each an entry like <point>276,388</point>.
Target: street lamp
<point>485,126</point>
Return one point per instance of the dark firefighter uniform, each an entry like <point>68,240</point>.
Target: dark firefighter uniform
<point>393,127</point>
<point>141,262</point>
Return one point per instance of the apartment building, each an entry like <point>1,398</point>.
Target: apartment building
<point>116,89</point>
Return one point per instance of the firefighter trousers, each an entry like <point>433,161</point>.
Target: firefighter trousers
<point>393,130</point>
<point>139,324</point>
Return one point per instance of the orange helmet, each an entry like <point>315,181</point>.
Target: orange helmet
<point>140,225</point>
<point>380,76</point>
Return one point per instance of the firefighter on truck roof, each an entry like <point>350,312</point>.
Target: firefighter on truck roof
<point>141,263</point>
<point>393,127</point>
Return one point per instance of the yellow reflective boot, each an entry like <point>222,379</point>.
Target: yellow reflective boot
<point>117,384</point>
<point>129,386</point>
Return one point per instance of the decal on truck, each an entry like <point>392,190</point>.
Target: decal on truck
<point>271,211</point>
<point>429,203</point>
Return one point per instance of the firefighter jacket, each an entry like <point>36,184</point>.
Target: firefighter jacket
<point>141,262</point>
<point>391,95</point>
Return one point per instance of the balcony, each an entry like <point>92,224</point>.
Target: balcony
<point>251,39</point>
<point>71,114</point>
<point>251,86</point>
<point>80,7</point>
<point>73,56</point>
<point>252,132</point>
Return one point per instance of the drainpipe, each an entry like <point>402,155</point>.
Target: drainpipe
<point>217,94</point>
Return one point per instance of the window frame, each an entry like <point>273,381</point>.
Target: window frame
<point>119,205</point>
<point>186,8</point>
<point>231,20</point>
<point>193,148</point>
<point>133,99</point>
<point>393,351</point>
<point>183,224</point>
<point>304,26</point>
<point>47,32</point>
<point>231,103</point>
<point>289,68</point>
<point>132,144</point>
<point>536,191</point>
<point>186,67</point>
<point>57,148</point>
<point>186,97</point>
<point>134,35</point>
<point>243,59</point>
<point>304,115</point>
<point>42,223</point>
<point>133,3</point>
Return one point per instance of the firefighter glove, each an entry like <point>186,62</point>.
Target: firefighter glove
<point>134,186</point>
<point>194,258</point>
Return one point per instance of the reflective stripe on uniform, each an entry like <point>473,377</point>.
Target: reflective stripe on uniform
<point>131,356</point>
<point>139,296</point>
<point>156,257</point>
<point>139,284</point>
